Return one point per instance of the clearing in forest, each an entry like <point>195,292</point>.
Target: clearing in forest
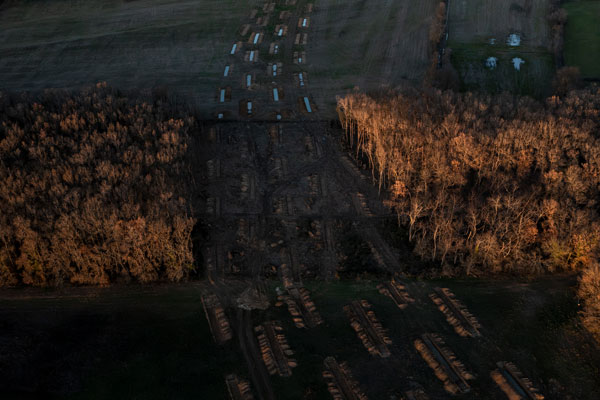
<point>238,389</point>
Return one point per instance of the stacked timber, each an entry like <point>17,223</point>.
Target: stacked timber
<point>217,320</point>
<point>340,382</point>
<point>457,315</point>
<point>443,362</point>
<point>513,383</point>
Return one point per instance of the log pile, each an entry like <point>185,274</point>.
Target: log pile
<point>397,292</point>
<point>368,329</point>
<point>301,307</point>
<point>274,349</point>
<point>217,320</point>
<point>314,185</point>
<point>513,384</point>
<point>238,389</point>
<point>415,395</point>
<point>444,363</point>
<point>457,315</point>
<point>340,383</point>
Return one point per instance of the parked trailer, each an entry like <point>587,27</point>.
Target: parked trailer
<point>307,105</point>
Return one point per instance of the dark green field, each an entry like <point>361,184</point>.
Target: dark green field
<point>154,343</point>
<point>533,79</point>
<point>479,29</point>
<point>582,37</point>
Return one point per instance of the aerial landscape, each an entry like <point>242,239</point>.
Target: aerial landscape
<point>300,199</point>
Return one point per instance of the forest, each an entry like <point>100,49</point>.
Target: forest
<point>488,184</point>
<point>93,189</point>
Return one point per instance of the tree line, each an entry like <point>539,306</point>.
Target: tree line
<point>93,189</point>
<point>489,184</point>
<point>486,183</point>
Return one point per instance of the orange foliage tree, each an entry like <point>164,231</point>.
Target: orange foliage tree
<point>486,183</point>
<point>92,189</point>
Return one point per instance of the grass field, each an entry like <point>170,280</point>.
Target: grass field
<point>180,44</point>
<point>368,44</point>
<point>532,79</point>
<point>183,44</point>
<point>155,343</point>
<point>582,37</point>
<point>479,29</point>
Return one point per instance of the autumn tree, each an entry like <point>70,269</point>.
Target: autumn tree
<point>589,293</point>
<point>566,80</point>
<point>93,189</point>
<point>486,184</point>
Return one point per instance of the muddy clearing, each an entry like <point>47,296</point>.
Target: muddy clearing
<point>280,194</point>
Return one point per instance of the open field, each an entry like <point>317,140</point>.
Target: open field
<point>479,29</point>
<point>368,44</point>
<point>155,342</point>
<point>129,44</point>
<point>480,20</point>
<point>582,37</point>
<point>184,45</point>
